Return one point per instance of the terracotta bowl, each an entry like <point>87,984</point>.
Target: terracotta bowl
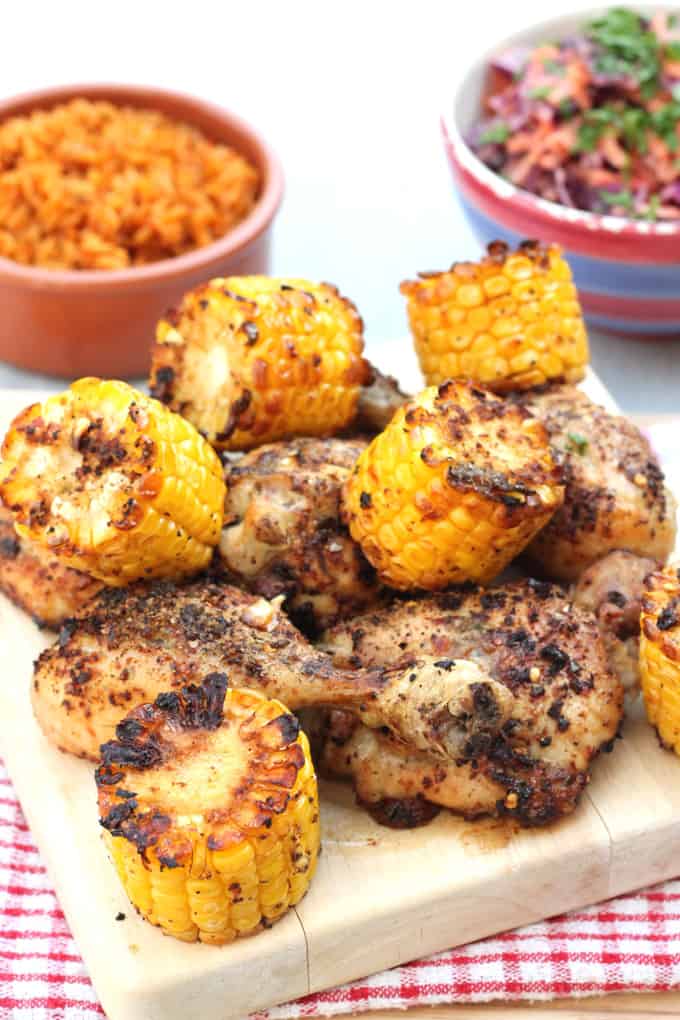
<point>99,322</point>
<point>627,271</point>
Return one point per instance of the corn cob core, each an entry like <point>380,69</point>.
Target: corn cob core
<point>511,321</point>
<point>453,489</point>
<point>113,483</point>
<point>210,806</point>
<point>252,359</point>
<point>660,655</point>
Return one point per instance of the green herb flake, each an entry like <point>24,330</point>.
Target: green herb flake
<point>622,199</point>
<point>594,125</point>
<point>554,67</point>
<point>577,442</point>
<point>664,122</point>
<point>628,48</point>
<point>566,107</point>
<point>495,134</point>
<point>542,92</point>
<point>673,50</point>
<point>652,208</point>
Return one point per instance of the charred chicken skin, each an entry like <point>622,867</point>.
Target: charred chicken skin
<point>137,642</point>
<point>283,535</point>
<point>615,496</point>
<point>32,578</point>
<point>566,704</point>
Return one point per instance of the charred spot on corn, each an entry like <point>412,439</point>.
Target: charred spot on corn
<point>660,655</point>
<point>458,483</point>
<point>294,347</point>
<point>208,801</point>
<point>113,484</point>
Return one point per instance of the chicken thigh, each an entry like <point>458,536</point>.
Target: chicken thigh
<point>283,535</point>
<point>566,705</point>
<point>615,496</point>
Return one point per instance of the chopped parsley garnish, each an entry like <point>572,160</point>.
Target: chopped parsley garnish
<point>542,92</point>
<point>594,124</point>
<point>622,198</point>
<point>673,50</point>
<point>652,208</point>
<point>664,123</point>
<point>495,134</point>
<point>631,124</point>
<point>578,442</point>
<point>628,48</point>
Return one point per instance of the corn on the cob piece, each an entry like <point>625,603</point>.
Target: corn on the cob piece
<point>113,483</point>
<point>251,359</point>
<point>453,489</point>
<point>660,654</point>
<point>210,806</point>
<point>510,321</point>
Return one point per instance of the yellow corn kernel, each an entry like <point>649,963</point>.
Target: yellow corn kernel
<point>113,483</point>
<point>660,655</point>
<point>461,318</point>
<point>452,490</point>
<point>252,359</point>
<point>219,833</point>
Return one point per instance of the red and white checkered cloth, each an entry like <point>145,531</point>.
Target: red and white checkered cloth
<point>628,944</point>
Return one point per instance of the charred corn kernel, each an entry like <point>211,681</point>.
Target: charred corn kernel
<point>510,321</point>
<point>252,359</point>
<point>113,483</point>
<point>453,489</point>
<point>660,655</point>
<point>209,803</point>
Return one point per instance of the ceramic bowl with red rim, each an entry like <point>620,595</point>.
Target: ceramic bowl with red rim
<point>627,271</point>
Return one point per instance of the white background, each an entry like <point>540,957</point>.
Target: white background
<point>348,94</point>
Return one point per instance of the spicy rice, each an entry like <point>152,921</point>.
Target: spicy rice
<point>91,185</point>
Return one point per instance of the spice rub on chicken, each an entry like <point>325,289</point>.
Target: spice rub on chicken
<point>613,589</point>
<point>615,496</point>
<point>137,642</point>
<point>283,534</point>
<point>32,578</point>
<point>566,704</point>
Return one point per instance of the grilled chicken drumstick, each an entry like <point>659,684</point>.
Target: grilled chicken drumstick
<point>134,643</point>
<point>566,705</point>
<point>283,535</point>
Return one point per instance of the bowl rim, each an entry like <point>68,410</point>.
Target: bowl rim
<point>235,240</point>
<point>503,189</point>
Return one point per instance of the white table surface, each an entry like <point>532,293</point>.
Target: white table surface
<point>348,94</point>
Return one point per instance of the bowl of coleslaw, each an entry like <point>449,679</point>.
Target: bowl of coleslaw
<point>569,132</point>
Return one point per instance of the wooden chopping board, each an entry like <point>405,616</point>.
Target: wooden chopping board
<point>380,897</point>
